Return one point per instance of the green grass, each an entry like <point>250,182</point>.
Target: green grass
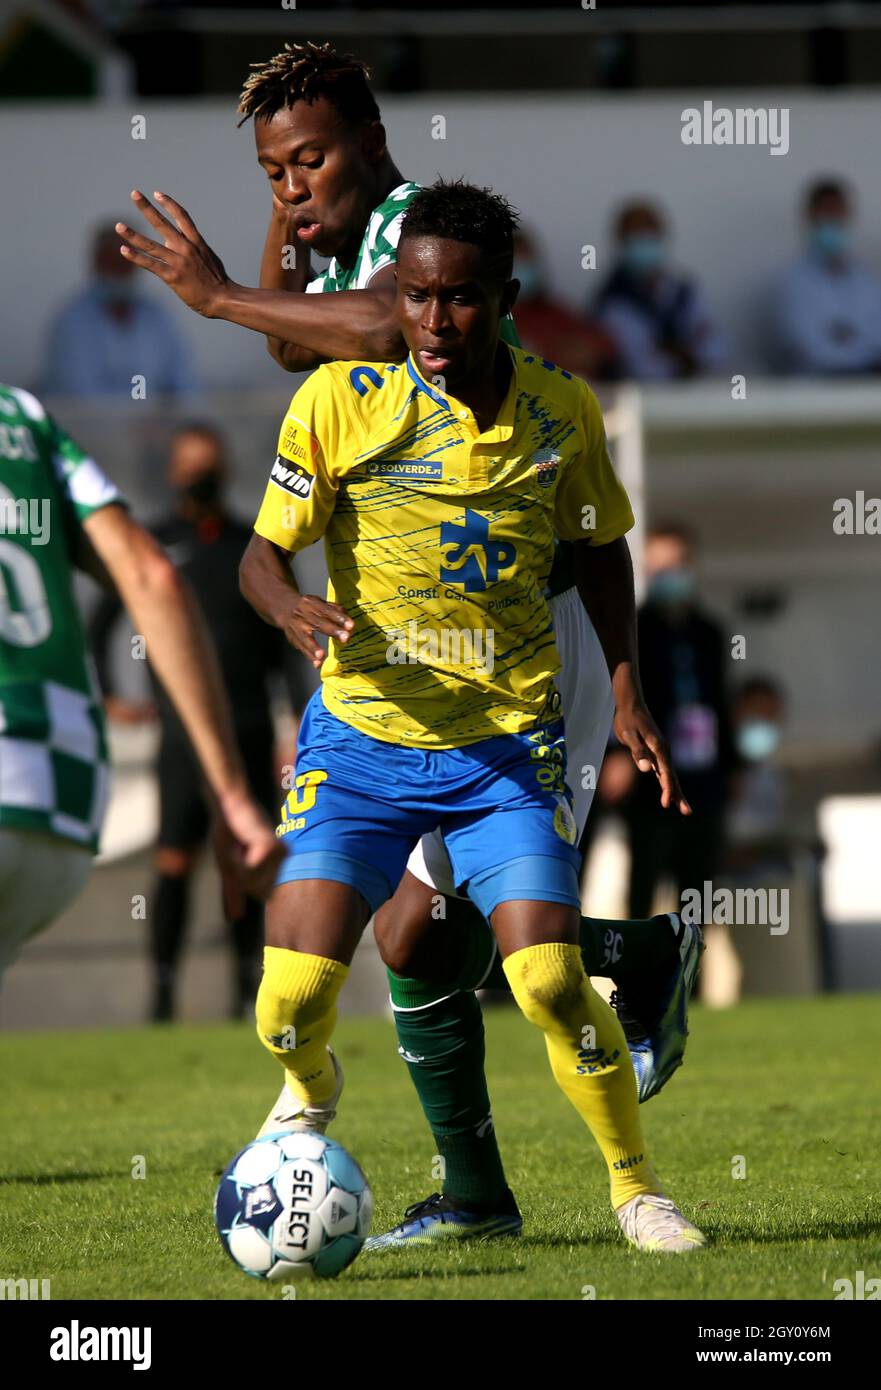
<point>791,1086</point>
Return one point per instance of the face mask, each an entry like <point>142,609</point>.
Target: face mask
<point>831,240</point>
<point>643,252</point>
<point>757,739</point>
<point>115,289</point>
<point>204,489</point>
<point>529,275</point>
<point>671,586</point>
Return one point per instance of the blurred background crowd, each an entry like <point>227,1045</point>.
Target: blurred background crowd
<point>649,320</point>
<point>726,304</point>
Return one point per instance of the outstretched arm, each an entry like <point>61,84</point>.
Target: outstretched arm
<point>275,271</point>
<point>349,325</point>
<point>305,329</point>
<point>182,654</point>
<point>604,576</point>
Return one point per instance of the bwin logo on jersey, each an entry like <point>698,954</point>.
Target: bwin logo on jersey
<point>291,477</point>
<point>463,543</point>
<point>545,462</point>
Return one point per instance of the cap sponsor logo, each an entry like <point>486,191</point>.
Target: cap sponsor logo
<point>289,475</point>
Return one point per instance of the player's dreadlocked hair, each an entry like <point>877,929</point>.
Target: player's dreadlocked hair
<point>460,211</point>
<point>305,72</point>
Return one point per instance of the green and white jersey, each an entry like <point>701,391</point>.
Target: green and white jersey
<point>379,246</point>
<point>54,774</point>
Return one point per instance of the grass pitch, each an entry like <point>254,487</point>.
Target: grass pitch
<point>788,1090</point>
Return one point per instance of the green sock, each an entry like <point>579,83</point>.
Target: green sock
<point>636,946</point>
<point>441,1025</point>
<point>442,1043</point>
<point>617,948</point>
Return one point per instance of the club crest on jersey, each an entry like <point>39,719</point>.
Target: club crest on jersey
<point>565,823</point>
<point>546,463</point>
<point>289,475</point>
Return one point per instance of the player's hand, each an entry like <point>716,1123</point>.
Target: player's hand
<point>247,849</point>
<point>278,207</point>
<point>182,259</point>
<point>309,614</point>
<point>638,732</point>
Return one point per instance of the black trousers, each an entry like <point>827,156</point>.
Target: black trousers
<point>184,817</point>
<point>665,845</point>
<point>184,823</point>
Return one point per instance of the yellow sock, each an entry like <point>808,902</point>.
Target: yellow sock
<point>589,1058</point>
<point>296,1014</point>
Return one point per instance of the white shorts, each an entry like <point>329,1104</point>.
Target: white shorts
<point>40,875</point>
<point>588,708</point>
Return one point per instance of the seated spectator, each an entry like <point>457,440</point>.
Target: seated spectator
<point>658,319</point>
<point>548,327</point>
<point>827,307</point>
<point>111,332</point>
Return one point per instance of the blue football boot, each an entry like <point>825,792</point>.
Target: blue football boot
<point>655,1017</point>
<point>437,1218</point>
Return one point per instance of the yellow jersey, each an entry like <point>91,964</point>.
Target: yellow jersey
<point>440,538</point>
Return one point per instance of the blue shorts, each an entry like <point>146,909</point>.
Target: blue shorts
<point>358,806</point>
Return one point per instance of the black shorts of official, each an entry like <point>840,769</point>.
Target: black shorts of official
<point>184,815</point>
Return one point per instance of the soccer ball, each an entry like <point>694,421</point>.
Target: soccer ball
<point>293,1203</point>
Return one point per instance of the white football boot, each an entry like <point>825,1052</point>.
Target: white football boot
<point>654,1222</point>
<point>293,1114</point>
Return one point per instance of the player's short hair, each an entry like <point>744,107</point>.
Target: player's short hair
<point>675,531</point>
<point>637,207</point>
<point>760,685</point>
<point>822,189</point>
<point>201,427</point>
<point>307,72</point>
<point>459,211</point>
<point>104,233</point>
<point>196,426</point>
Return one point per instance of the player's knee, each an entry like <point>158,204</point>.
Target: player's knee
<point>296,1001</point>
<point>384,933</point>
<point>394,941</point>
<point>548,984</point>
<point>403,928</point>
<point>398,958</point>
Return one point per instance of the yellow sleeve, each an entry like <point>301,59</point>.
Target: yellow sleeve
<point>591,503</point>
<point>301,493</point>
